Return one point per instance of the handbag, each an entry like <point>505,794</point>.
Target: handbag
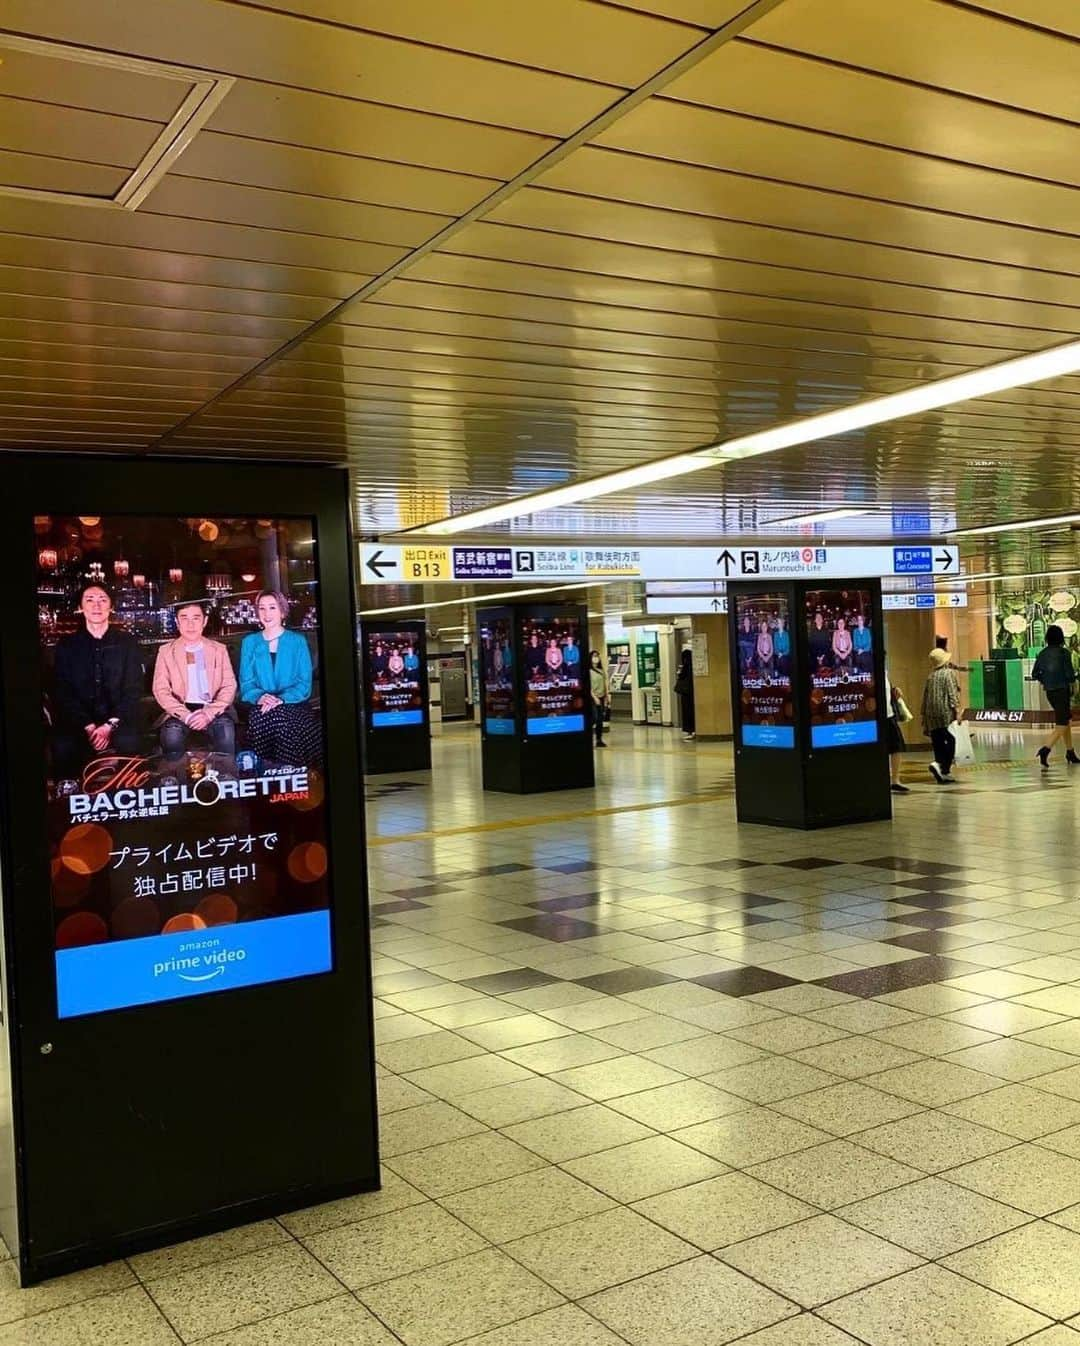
<point>965,751</point>
<point>901,709</point>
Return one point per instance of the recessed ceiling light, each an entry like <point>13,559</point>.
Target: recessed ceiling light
<point>1021,526</point>
<point>1017,373</point>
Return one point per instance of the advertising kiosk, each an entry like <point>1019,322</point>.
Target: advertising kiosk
<point>535,709</point>
<point>186,985</point>
<point>808,695</point>
<point>397,731</point>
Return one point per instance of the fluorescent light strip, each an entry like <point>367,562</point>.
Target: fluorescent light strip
<point>1026,369</point>
<point>1029,575</point>
<point>481,598</point>
<point>820,516</point>
<point>1023,525</point>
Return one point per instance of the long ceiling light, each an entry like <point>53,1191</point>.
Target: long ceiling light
<point>1021,526</point>
<point>820,516</point>
<point>482,598</point>
<point>1017,373</point>
<point>1027,575</point>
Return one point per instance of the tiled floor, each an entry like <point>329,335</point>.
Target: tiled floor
<point>650,1078</point>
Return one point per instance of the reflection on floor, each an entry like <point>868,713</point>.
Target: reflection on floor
<point>648,1077</point>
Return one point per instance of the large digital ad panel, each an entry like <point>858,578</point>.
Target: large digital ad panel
<point>392,679</point>
<point>766,709</point>
<point>841,667</point>
<point>554,674</point>
<point>186,804</point>
<point>497,660</point>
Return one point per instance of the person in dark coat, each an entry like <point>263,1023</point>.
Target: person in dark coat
<point>684,690</point>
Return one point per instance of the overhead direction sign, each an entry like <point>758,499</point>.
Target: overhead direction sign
<point>420,564</point>
<point>694,605</point>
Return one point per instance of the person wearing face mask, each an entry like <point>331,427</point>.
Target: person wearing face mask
<point>599,694</point>
<point>98,683</point>
<point>195,686</point>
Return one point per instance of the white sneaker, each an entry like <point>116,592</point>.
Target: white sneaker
<point>688,737</point>
<point>937,772</point>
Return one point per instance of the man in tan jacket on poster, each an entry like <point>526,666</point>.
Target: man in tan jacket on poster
<point>195,686</point>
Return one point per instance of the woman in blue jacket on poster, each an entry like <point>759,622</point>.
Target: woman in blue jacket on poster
<point>275,682</point>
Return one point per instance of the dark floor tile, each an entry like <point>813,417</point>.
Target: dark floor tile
<point>935,883</point>
<point>502,983</point>
<point>932,901</point>
<point>898,862</point>
<point>550,925</point>
<point>568,902</point>
<point>571,867</point>
<point>424,890</point>
<point>873,981</point>
<point>402,904</point>
<point>932,920</point>
<point>731,864</point>
<point>926,941</point>
<point>489,871</point>
<point>730,901</point>
<point>809,862</point>
<point>744,981</point>
<point>625,980</point>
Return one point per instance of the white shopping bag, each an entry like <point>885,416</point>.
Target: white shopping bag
<point>965,752</point>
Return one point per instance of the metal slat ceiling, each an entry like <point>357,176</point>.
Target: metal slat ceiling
<point>823,201</point>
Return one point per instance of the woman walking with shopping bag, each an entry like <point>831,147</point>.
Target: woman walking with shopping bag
<point>940,708</point>
<point>1054,669</point>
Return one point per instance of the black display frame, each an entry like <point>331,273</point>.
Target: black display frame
<point>810,787</point>
<point>196,1114</point>
<point>395,748</point>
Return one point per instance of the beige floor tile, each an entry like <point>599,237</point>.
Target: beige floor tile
<point>933,1037</point>
<point>519,1102</point>
<point>603,1250</point>
<point>834,1174</point>
<point>433,1049</point>
<point>932,1217</point>
<point>805,1330</point>
<point>516,1032</point>
<point>1039,1265</point>
<point>1069,1218</point>
<point>556,996</point>
<point>864,1016</point>
<point>334,1322</point>
<point>455,1078</point>
<point>395,1194</point>
<point>855,1057</point>
<point>459,1299</point>
<point>931,1306</point>
<point>241,1290</point>
<point>546,1058</point>
<point>641,1035</point>
<point>723,1210</point>
<point>676,1105</point>
<point>1056,1000</point>
<point>484,1009</point>
<point>1064,1142</point>
<point>790,1034</point>
<point>601,1012</point>
<point>566,1326</point>
<point>933,1141</point>
<point>700,1302</point>
<point>1063,1036</point>
<point>124,1318</point>
<point>391,1245</point>
<point>17,1303</point>
<point>818,1260</point>
<point>1019,1110</point>
<point>750,1137</point>
<point>1013,1059</point>
<point>724,1012</point>
<point>614,1078</point>
<point>417,1128</point>
<point>396,1093</point>
<point>932,1083</point>
<point>527,1204</point>
<point>933,999</point>
<point>399,1027</point>
<point>643,1168</point>
<point>1065,1083</point>
<point>459,1164</point>
<point>1053,1336</point>
<point>807,966</point>
<point>1006,1017</point>
<point>202,1252</point>
<point>804,999</point>
<point>1030,1177</point>
<point>770,1080</point>
<point>998,983</point>
<point>703,1055</point>
<point>585,1130</point>
<point>842,1109</point>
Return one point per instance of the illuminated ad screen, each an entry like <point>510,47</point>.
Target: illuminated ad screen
<point>497,662</point>
<point>551,657</point>
<point>186,808</point>
<point>843,697</point>
<point>763,644</point>
<point>392,682</point>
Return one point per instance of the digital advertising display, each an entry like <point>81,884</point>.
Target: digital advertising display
<point>763,645</point>
<point>840,657</point>
<point>392,682</point>
<point>184,727</point>
<point>497,658</point>
<point>554,673</point>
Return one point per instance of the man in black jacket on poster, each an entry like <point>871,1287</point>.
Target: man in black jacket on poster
<point>98,684</point>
